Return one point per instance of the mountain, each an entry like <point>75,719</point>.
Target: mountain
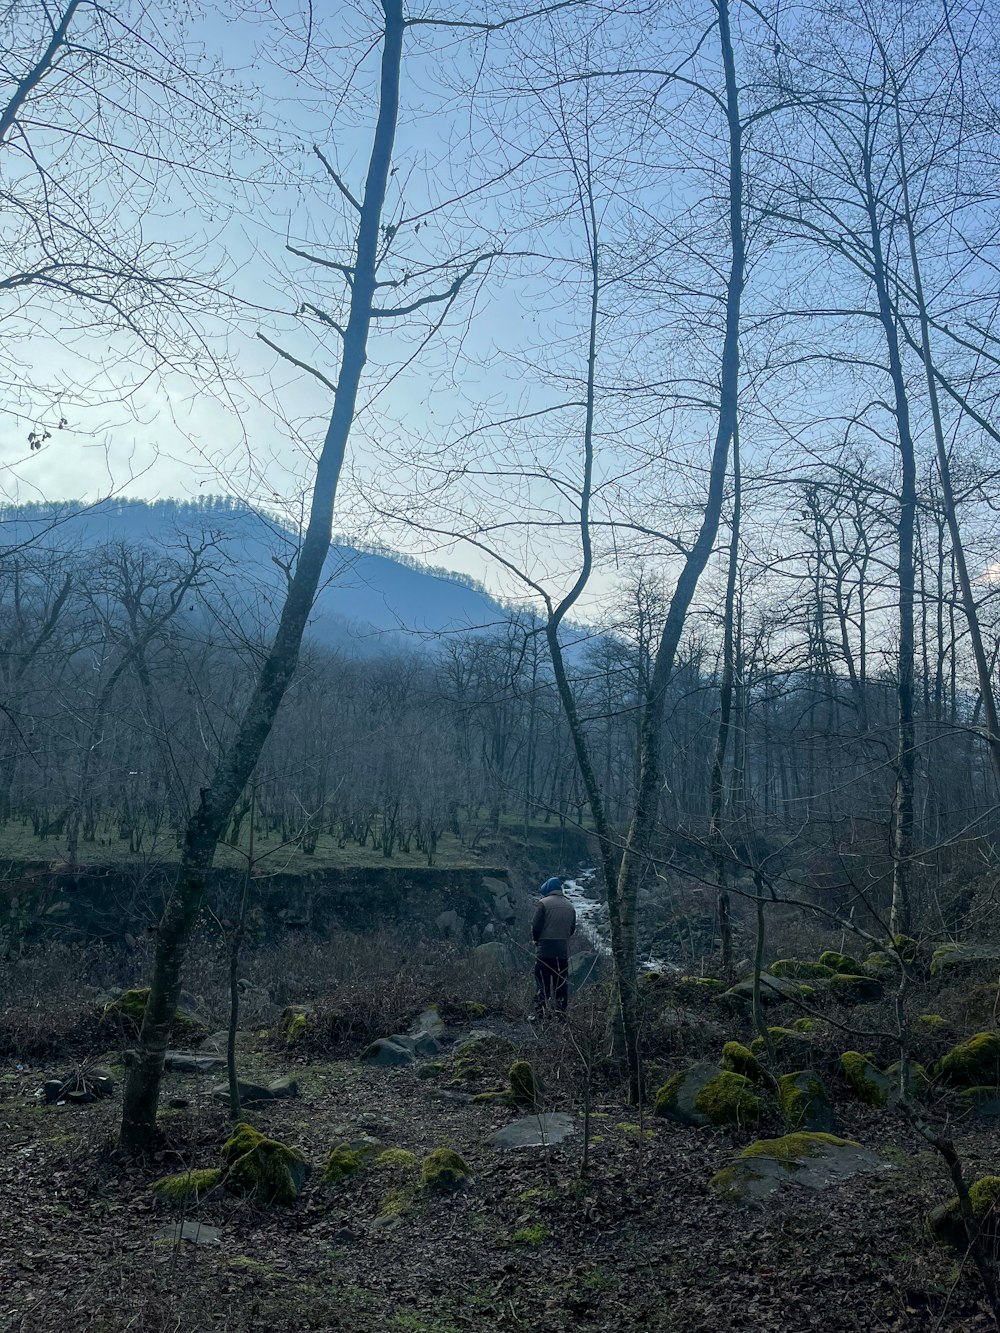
<point>368,597</point>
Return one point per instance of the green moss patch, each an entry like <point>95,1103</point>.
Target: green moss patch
<point>535,1234</point>
<point>187,1186</point>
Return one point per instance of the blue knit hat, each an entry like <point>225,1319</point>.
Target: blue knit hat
<point>553,885</point>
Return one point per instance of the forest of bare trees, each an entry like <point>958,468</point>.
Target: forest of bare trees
<point>673,327</point>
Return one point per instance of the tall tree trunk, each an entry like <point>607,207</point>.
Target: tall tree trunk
<point>983,673</point>
<point>638,841</point>
<point>208,822</point>
<point>902,803</point>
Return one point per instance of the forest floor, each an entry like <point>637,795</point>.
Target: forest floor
<point>641,1243</point>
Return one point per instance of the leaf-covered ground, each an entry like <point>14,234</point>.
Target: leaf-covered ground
<point>640,1244</point>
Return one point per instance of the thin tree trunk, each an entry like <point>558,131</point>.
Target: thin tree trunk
<point>716,785</point>
<point>208,822</point>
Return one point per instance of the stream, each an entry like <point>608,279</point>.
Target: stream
<point>592,919</point>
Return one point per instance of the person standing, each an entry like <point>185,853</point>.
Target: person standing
<point>552,926</point>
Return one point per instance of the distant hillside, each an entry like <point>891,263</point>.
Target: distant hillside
<point>368,598</point>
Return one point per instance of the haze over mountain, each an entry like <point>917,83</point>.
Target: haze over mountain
<point>368,598</point>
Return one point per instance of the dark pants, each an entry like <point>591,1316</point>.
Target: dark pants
<point>552,981</point>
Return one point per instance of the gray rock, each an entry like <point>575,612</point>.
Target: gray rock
<point>583,967</point>
<point>79,1087</point>
<point>800,1161</point>
<point>806,1102</point>
<point>390,1051</point>
<point>535,1131</point>
<point>430,1021</point>
<point>449,923</point>
<point>496,955</point>
<point>251,1093</point>
<point>426,1045</point>
<point>186,1062</point>
<point>772,989</point>
<point>198,1233</point>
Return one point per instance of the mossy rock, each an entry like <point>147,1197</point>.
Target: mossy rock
<point>977,1103</point>
<point>805,1102</point>
<point>773,990</point>
<point>187,1187</point>
<point>789,1045</point>
<point>474,1009</point>
<point>881,965</point>
<point>848,989</point>
<point>951,957</point>
<point>932,1023</point>
<point>262,1168</point>
<point>349,1157</point>
<point>807,1160</point>
<point>524,1090</point>
<point>395,1159</point>
<point>130,1008</point>
<point>807,1025</point>
<point>739,1059</point>
<point>443,1171</point>
<point>946,1225</point>
<point>395,1203</point>
<point>906,947</point>
<point>972,1063</point>
<point>800,970</point>
<point>840,962</point>
<point>691,990</point>
<point>708,1096</point>
<point>295,1022</point>
<point>865,1080</point>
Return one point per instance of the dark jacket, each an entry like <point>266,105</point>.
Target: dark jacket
<point>553,924</point>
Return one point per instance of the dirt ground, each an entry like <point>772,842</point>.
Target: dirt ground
<point>641,1243</point>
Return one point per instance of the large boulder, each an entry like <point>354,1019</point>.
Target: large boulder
<point>535,1131</point>
<point>946,1225</point>
<point>805,1102</point>
<point>953,957</point>
<point>848,989</point>
<point>867,1082</point>
<point>707,1095</point>
<point>497,956</point>
<point>443,1171</point>
<point>802,1160</point>
<point>800,970</point>
<point>130,1007</point>
<point>262,1168</point>
<point>773,990</point>
<point>583,967</point>
<point>396,1050</point>
<point>974,1063</point>
<point>255,1094</point>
